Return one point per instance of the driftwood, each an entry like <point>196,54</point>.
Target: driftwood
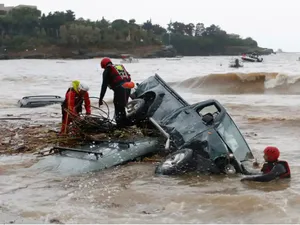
<point>30,138</point>
<point>14,118</point>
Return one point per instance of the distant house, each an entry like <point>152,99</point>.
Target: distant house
<point>4,9</point>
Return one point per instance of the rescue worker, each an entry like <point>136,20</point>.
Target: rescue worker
<point>236,63</point>
<point>118,79</point>
<point>272,168</point>
<point>72,105</point>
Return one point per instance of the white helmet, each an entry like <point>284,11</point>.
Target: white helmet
<point>83,87</point>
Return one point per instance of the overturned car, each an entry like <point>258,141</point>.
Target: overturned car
<point>200,137</point>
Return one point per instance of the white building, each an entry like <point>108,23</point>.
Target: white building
<point>8,8</point>
<point>5,8</point>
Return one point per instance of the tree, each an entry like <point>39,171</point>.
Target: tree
<point>132,21</point>
<point>189,29</point>
<point>69,16</point>
<point>200,29</point>
<point>148,25</point>
<point>158,30</point>
<point>21,28</point>
<point>212,30</point>
<point>178,28</point>
<point>119,24</point>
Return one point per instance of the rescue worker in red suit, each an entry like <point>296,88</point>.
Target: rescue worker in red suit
<point>72,105</point>
<point>117,78</point>
<point>272,168</point>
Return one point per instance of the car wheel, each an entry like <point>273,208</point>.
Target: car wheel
<point>176,163</point>
<point>135,108</point>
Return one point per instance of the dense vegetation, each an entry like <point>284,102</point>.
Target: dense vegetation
<point>27,28</point>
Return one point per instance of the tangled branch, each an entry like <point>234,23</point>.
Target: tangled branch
<point>90,124</point>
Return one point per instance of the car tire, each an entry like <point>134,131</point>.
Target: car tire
<point>221,163</point>
<point>135,108</point>
<point>176,163</point>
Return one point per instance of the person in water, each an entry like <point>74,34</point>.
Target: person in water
<point>76,94</point>
<point>237,63</point>
<point>117,78</point>
<point>272,168</point>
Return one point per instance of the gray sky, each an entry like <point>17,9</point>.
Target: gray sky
<point>273,24</point>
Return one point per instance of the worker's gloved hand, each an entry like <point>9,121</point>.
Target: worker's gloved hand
<point>255,164</point>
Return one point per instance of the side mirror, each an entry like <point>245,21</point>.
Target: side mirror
<point>167,145</point>
<point>208,118</point>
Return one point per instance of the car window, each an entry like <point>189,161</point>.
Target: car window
<point>208,109</point>
<point>234,139</point>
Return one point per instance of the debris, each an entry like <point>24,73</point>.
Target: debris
<point>32,138</point>
<point>56,221</point>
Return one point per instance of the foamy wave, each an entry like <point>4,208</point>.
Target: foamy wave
<point>19,79</point>
<point>272,118</point>
<point>242,83</point>
<point>8,103</point>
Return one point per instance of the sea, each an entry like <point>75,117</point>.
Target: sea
<point>262,98</point>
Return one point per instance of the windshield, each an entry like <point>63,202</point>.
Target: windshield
<point>234,139</point>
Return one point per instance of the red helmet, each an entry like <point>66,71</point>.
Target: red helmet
<point>104,62</point>
<point>272,153</point>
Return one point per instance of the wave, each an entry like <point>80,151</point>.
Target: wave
<point>21,79</point>
<point>243,83</point>
<point>273,118</point>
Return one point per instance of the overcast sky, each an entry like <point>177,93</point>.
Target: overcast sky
<point>273,24</point>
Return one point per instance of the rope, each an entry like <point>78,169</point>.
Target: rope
<point>94,123</point>
<point>101,109</point>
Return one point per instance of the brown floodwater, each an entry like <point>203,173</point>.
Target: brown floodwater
<point>39,190</point>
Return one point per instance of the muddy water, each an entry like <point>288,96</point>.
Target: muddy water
<point>39,190</point>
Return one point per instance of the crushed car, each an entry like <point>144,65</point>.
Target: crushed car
<point>200,137</point>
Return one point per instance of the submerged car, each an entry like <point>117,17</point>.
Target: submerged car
<point>200,137</point>
<point>98,155</point>
<point>39,101</point>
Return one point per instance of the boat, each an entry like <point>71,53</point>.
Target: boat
<point>253,57</point>
<point>127,58</point>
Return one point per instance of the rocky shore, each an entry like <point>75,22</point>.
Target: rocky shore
<point>55,52</point>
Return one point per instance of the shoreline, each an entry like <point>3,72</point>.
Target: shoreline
<point>147,52</point>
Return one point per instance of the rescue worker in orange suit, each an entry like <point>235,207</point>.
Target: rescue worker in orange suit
<point>272,168</point>
<point>118,79</point>
<point>72,105</point>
